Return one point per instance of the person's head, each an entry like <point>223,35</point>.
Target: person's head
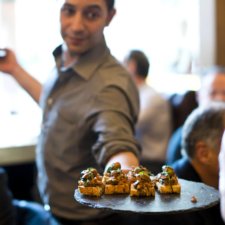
<point>83,22</point>
<point>201,139</point>
<point>212,86</point>
<point>137,64</point>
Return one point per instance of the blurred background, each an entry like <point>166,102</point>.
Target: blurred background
<point>180,37</point>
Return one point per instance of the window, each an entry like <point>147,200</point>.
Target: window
<point>161,28</point>
<point>168,31</point>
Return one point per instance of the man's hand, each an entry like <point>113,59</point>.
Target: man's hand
<point>8,61</point>
<point>126,159</point>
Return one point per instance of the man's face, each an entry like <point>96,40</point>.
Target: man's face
<point>213,89</point>
<point>82,24</point>
<point>213,166</point>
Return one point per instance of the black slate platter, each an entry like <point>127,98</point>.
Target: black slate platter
<point>160,204</point>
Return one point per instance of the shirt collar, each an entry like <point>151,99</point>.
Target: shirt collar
<point>88,63</point>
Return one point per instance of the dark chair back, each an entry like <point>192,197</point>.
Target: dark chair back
<point>31,213</point>
<point>181,106</point>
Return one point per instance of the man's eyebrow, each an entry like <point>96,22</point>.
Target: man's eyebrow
<point>94,6</point>
<point>68,5</point>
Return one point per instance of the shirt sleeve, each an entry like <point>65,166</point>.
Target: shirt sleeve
<point>114,124</point>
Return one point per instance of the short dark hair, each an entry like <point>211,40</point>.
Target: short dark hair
<point>110,4</point>
<point>206,123</point>
<point>141,61</point>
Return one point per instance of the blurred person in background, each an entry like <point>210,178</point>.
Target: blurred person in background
<point>7,210</point>
<point>153,128</point>
<point>202,135</point>
<point>201,142</point>
<point>20,212</point>
<point>212,89</point>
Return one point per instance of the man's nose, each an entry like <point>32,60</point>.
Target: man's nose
<point>78,22</point>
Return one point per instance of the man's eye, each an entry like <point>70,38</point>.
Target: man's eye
<point>92,15</point>
<point>68,10</point>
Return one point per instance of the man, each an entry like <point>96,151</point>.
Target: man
<point>212,89</point>
<point>201,141</point>
<point>212,86</point>
<point>154,111</point>
<point>90,105</point>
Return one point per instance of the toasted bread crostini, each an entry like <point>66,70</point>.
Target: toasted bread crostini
<point>141,184</point>
<point>91,183</point>
<point>167,181</point>
<point>115,180</point>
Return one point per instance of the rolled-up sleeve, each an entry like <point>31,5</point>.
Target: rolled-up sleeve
<point>114,124</point>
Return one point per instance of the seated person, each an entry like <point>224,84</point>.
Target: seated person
<point>212,89</point>
<point>17,212</point>
<point>153,128</point>
<point>222,176</point>
<point>201,139</point>
<point>21,180</point>
<point>7,210</point>
<point>174,147</point>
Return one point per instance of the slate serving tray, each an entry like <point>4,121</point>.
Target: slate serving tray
<point>160,204</point>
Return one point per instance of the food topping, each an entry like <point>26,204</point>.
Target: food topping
<point>114,175</point>
<point>140,181</point>
<point>167,176</point>
<point>90,178</point>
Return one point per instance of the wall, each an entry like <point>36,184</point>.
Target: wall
<point>207,37</point>
<point>220,32</point>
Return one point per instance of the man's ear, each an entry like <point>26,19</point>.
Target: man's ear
<point>111,14</point>
<point>202,152</point>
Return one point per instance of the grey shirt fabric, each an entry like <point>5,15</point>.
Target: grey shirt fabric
<point>89,113</point>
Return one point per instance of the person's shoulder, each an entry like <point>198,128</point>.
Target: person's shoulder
<point>180,166</point>
<point>112,72</point>
<point>154,93</point>
<point>184,169</point>
<point>114,67</point>
<point>2,172</point>
<point>3,177</point>
<point>177,134</point>
<point>154,97</point>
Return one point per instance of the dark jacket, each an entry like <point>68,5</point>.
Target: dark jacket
<point>208,216</point>
<point>7,210</point>
<point>185,170</point>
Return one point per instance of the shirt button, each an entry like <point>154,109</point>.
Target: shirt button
<point>49,102</point>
